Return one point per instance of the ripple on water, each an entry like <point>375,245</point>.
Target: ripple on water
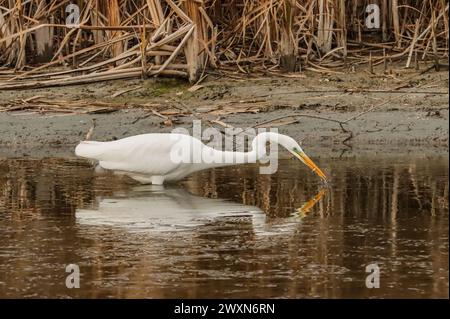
<point>226,232</point>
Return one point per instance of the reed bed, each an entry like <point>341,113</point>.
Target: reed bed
<point>117,39</point>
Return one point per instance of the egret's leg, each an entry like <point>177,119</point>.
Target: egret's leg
<point>148,188</point>
<point>99,170</point>
<point>157,180</point>
<point>140,178</point>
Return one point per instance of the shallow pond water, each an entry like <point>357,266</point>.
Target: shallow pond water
<point>227,232</point>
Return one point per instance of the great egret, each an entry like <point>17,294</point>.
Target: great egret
<point>149,158</point>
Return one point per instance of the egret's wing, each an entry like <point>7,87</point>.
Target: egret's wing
<point>148,154</point>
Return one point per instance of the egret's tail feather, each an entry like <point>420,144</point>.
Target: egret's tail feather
<point>90,149</point>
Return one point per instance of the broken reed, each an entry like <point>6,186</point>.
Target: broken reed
<point>132,38</point>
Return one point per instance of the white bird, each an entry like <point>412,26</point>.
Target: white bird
<point>158,158</point>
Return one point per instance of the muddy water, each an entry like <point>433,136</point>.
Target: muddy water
<point>226,232</point>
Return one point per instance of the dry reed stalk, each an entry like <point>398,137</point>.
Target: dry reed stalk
<point>114,20</point>
<point>194,55</point>
<point>96,20</point>
<point>324,36</point>
<point>413,43</point>
<point>288,54</point>
<point>395,21</point>
<point>242,35</point>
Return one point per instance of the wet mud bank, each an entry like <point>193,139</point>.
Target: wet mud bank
<point>400,113</point>
<point>400,132</point>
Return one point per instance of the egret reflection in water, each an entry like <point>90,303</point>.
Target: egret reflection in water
<point>158,208</point>
<point>163,209</point>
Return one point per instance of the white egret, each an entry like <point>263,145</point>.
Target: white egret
<point>149,158</point>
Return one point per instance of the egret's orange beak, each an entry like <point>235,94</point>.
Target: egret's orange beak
<point>308,162</point>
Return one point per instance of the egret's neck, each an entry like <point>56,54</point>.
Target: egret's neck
<point>258,152</point>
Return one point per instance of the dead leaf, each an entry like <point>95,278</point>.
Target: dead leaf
<point>195,88</point>
<point>168,123</point>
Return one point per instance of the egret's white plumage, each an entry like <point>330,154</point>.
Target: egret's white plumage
<point>149,158</point>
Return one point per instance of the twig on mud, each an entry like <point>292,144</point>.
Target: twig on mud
<point>119,93</point>
<point>221,123</point>
<point>141,118</point>
<point>276,120</point>
<point>184,107</point>
<point>389,91</point>
<point>386,101</point>
<point>148,114</point>
<point>345,141</point>
<point>64,106</point>
<point>91,131</point>
<point>341,123</point>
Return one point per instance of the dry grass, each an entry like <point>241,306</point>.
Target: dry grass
<point>132,38</point>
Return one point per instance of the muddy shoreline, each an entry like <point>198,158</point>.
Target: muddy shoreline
<point>399,113</point>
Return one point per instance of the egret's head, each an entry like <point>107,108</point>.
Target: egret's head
<point>292,146</point>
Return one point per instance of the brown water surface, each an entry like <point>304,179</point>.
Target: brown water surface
<point>226,232</point>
